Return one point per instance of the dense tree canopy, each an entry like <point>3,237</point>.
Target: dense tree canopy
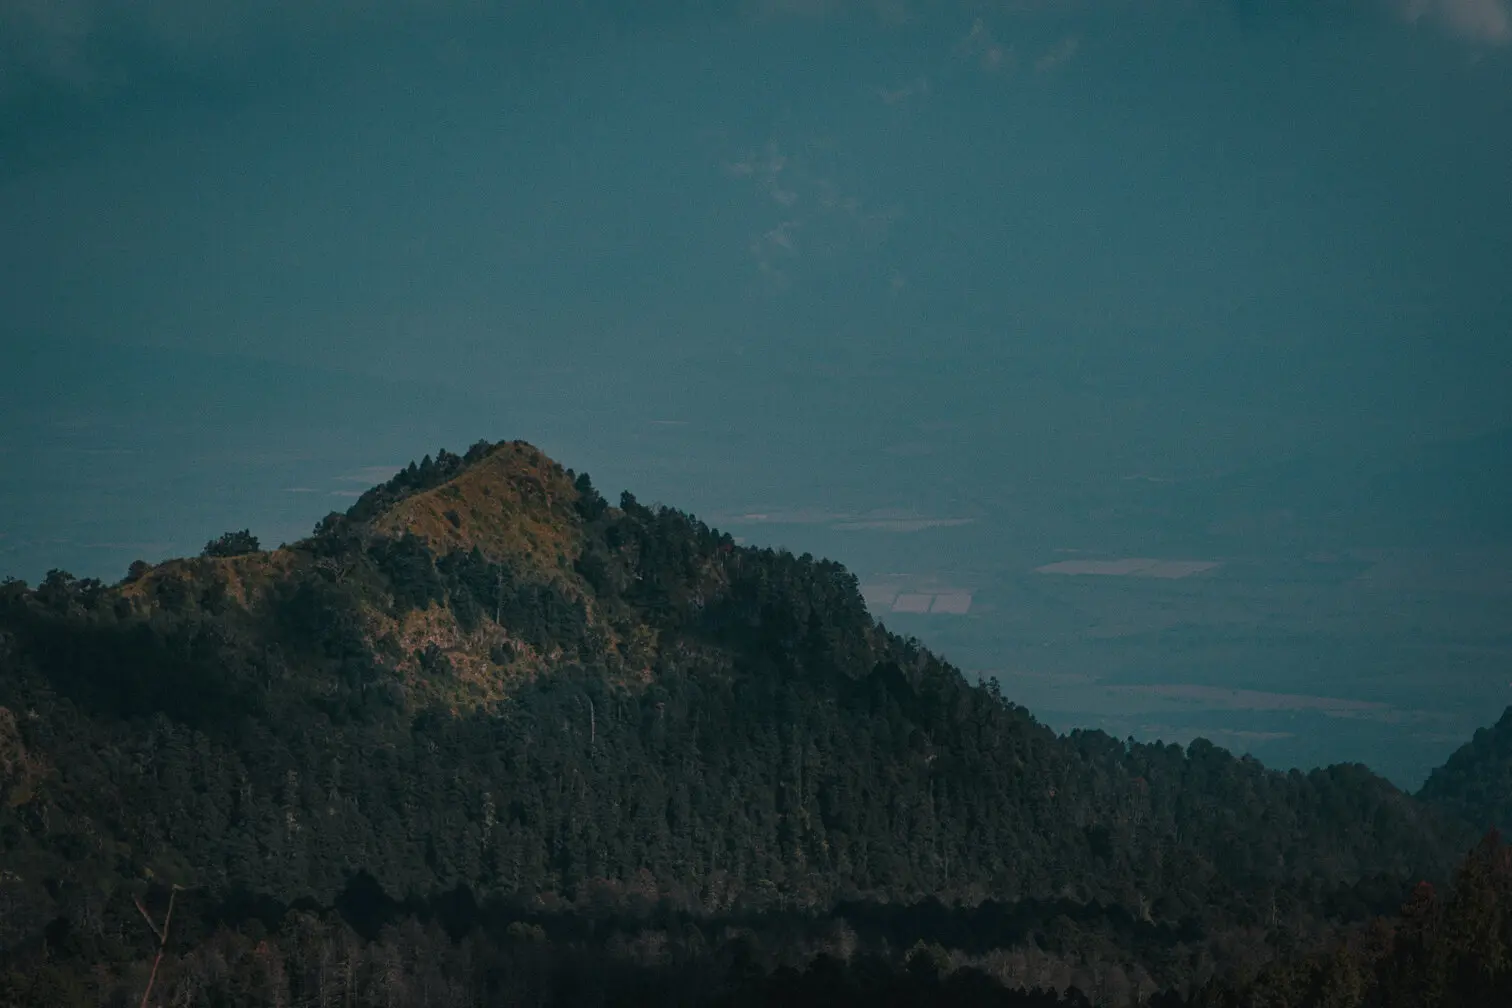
<point>232,544</point>
<point>486,701</point>
<point>1475,783</point>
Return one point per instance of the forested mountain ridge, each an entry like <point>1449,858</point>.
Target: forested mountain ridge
<point>485,684</point>
<point>1475,783</point>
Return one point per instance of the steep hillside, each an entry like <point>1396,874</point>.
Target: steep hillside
<point>1475,784</point>
<point>484,683</point>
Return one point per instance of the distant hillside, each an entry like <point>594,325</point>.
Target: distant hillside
<point>1475,783</point>
<point>484,690</point>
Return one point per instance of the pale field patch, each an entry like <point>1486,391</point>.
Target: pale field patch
<point>900,524</point>
<point>1130,567</point>
<point>1228,698</point>
<point>954,602</point>
<point>912,603</point>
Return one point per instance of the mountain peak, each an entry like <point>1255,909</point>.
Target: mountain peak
<point>456,576</point>
<point>507,500</point>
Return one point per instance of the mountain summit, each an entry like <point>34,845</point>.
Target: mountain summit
<point>484,679</point>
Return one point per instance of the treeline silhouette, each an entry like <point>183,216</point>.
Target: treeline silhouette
<point>1438,951</point>
<point>314,960</point>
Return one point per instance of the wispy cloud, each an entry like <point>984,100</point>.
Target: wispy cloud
<point>1482,21</point>
<point>781,236</point>
<point>765,169</point>
<point>810,213</point>
<point>775,250</point>
<point>916,88</point>
<point>981,46</point>
<point>96,44</point>
<point>1486,22</point>
<point>1062,52</point>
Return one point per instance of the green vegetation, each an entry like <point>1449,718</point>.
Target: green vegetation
<point>489,737</point>
<point>1475,784</point>
<point>232,544</point>
<point>1439,951</point>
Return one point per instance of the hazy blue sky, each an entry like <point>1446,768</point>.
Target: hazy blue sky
<point>968,261</point>
<point>1072,238</point>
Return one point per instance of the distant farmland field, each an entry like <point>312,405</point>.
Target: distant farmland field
<point>1131,567</point>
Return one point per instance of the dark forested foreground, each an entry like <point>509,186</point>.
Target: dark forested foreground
<point>487,739</point>
<point>1438,951</point>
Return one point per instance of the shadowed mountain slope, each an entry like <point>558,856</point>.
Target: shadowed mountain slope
<point>1475,783</point>
<point>483,678</point>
